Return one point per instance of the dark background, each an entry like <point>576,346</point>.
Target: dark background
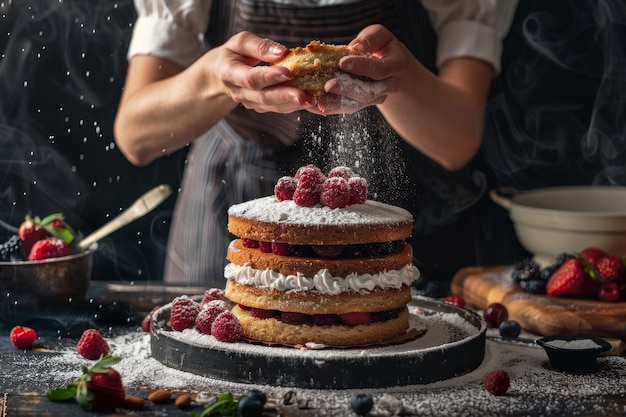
<point>555,117</point>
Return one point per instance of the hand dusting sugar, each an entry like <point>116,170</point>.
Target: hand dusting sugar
<point>535,388</point>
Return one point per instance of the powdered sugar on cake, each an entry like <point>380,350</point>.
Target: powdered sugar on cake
<point>270,210</point>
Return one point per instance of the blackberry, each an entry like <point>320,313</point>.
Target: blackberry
<point>11,250</point>
<point>561,258</point>
<point>526,270</point>
<point>534,286</point>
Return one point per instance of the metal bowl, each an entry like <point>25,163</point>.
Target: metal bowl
<point>49,286</point>
<point>550,221</point>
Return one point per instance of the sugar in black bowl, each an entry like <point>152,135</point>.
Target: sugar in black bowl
<point>573,353</point>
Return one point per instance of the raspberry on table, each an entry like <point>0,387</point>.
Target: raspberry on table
<point>284,188</point>
<point>497,382</point>
<point>335,193</point>
<point>22,337</point>
<point>207,315</point>
<point>226,327</point>
<point>183,313</point>
<point>92,345</point>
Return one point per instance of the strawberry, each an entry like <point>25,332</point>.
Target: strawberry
<point>592,255</point>
<point>98,388</point>
<point>51,247</point>
<point>572,278</point>
<point>92,345</point>
<point>31,232</point>
<point>610,268</point>
<point>22,337</point>
<point>356,318</point>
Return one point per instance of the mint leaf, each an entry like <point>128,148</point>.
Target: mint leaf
<point>226,405</point>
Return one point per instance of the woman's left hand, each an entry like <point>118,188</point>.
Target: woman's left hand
<point>365,80</point>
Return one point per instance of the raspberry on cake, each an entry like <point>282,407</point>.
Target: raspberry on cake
<point>323,269</point>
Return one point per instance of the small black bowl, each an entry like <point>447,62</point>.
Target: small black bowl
<point>573,353</point>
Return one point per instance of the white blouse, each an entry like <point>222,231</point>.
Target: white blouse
<point>174,29</point>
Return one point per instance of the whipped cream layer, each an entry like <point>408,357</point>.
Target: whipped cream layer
<point>270,210</point>
<point>322,281</point>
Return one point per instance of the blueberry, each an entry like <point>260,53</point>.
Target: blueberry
<point>535,286</point>
<point>510,329</point>
<point>257,395</point>
<point>249,407</point>
<point>362,404</point>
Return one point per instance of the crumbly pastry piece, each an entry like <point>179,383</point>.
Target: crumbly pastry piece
<point>314,64</point>
<point>272,330</point>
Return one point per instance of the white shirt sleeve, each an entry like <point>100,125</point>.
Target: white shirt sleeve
<point>470,28</point>
<point>171,29</point>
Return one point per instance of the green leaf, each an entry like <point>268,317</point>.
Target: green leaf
<point>61,394</point>
<point>226,405</point>
<point>64,234</point>
<point>49,219</point>
<point>104,363</point>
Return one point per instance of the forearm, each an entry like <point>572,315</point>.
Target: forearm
<point>163,116</point>
<point>440,115</point>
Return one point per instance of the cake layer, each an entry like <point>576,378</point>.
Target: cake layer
<point>311,302</point>
<point>292,265</point>
<point>268,220</point>
<point>275,331</point>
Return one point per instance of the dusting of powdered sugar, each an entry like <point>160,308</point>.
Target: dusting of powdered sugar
<point>269,209</point>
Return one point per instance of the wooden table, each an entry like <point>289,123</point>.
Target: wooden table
<point>25,396</point>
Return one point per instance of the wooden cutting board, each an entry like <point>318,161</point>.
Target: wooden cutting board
<point>540,314</point>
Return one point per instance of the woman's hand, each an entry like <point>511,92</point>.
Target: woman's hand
<point>366,79</point>
<point>256,87</point>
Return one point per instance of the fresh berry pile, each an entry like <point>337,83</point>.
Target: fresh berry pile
<point>39,239</point>
<point>310,187</point>
<point>592,273</point>
<point>210,316</point>
<point>365,250</point>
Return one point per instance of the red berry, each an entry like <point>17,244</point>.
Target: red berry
<point>249,243</point>
<point>335,193</point>
<point>281,249</point>
<point>22,337</point>
<point>572,278</point>
<point>261,313</point>
<point>307,195</point>
<point>265,247</point>
<point>183,313</point>
<point>285,187</point>
<point>294,318</point>
<point>207,316</point>
<point>497,382</point>
<point>310,173</point>
<point>610,268</point>
<point>212,294</point>
<point>495,314</point>
<point>356,318</point>
<point>456,300</point>
<point>358,190</point>
<point>51,247</point>
<point>92,345</point>
<point>226,327</point>
<point>341,171</point>
<point>30,233</point>
<point>328,251</point>
<point>608,291</point>
<point>145,323</point>
<point>324,319</point>
<point>592,255</point>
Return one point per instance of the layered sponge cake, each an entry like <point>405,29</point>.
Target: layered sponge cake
<point>319,263</point>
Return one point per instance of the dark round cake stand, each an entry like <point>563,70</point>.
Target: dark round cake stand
<point>454,344</point>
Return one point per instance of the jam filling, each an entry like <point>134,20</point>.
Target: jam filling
<point>349,319</point>
<point>365,250</point>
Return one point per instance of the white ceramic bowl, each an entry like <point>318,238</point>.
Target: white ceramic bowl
<point>553,220</point>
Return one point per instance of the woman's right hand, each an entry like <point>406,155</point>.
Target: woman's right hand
<point>235,67</point>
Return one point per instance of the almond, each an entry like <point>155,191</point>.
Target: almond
<point>160,396</point>
<point>133,403</point>
<point>183,401</point>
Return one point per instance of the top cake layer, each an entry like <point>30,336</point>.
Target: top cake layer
<point>268,220</point>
